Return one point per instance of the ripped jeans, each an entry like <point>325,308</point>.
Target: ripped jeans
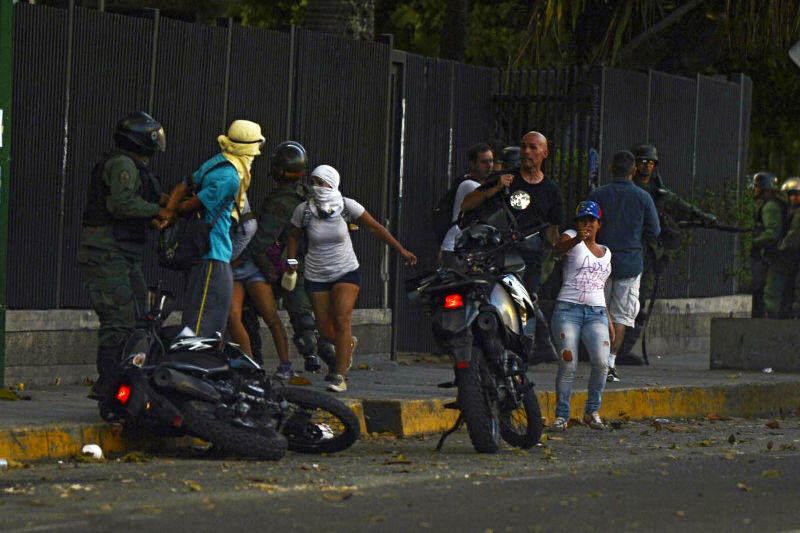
<point>571,324</point>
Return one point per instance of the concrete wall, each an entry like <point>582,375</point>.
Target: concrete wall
<point>755,344</point>
<point>43,346</point>
<point>683,326</point>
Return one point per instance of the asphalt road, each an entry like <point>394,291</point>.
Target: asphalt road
<point>698,475</point>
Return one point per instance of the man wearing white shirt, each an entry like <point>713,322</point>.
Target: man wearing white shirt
<point>481,161</point>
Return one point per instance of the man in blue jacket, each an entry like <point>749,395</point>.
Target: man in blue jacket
<point>218,182</point>
<point>630,220</point>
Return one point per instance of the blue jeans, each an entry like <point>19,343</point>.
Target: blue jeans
<point>571,324</point>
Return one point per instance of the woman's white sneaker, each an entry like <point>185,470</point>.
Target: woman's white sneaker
<point>593,420</point>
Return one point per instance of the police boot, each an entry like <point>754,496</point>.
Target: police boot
<point>624,356</point>
<point>107,368</point>
<point>327,352</point>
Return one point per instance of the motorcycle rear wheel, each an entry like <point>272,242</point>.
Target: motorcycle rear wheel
<point>478,410</point>
<point>321,423</point>
<point>199,420</point>
<point>522,427</point>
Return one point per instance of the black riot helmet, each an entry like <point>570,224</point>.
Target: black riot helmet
<point>289,161</point>
<point>766,181</point>
<point>140,133</point>
<point>645,151</point>
<point>510,157</point>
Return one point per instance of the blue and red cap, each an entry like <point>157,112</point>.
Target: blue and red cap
<point>588,209</point>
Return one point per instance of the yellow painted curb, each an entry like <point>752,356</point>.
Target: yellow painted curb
<point>66,440</point>
<point>413,417</point>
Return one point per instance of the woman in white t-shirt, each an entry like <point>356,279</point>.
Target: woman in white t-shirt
<point>581,314</point>
<point>331,274</point>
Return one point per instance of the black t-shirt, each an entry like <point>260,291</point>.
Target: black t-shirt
<point>547,205</point>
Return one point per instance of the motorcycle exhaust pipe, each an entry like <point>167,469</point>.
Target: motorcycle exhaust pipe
<point>167,378</point>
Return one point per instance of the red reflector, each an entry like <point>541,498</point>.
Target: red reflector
<point>123,393</point>
<point>461,365</point>
<point>177,421</point>
<point>452,301</point>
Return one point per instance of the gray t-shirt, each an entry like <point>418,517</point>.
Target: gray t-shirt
<point>330,251</point>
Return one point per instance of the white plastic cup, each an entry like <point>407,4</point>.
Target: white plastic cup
<point>92,450</point>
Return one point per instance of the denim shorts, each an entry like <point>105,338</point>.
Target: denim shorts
<point>247,273</point>
<point>353,277</point>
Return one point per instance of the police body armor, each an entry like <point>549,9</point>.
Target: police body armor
<point>96,212</point>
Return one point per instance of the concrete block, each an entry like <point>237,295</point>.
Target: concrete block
<point>754,344</point>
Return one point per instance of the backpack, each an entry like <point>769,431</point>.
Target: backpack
<point>182,245</point>
<point>443,212</point>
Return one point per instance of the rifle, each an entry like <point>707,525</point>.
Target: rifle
<point>686,224</point>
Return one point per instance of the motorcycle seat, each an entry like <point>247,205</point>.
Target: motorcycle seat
<point>205,363</point>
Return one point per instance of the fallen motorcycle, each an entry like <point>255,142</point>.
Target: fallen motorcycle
<point>171,382</point>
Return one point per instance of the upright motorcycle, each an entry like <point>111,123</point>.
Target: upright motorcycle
<point>172,382</point>
<point>485,319</point>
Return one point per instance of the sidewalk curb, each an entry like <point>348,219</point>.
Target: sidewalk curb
<point>408,417</point>
<point>60,441</point>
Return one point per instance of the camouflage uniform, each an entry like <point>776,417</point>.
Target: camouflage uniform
<point>768,266</point>
<point>274,216</point>
<point>789,247</point>
<point>123,198</point>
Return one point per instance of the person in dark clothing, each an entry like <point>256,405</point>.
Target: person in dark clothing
<point>547,204</point>
<point>124,197</point>
<point>672,209</point>
<point>631,219</point>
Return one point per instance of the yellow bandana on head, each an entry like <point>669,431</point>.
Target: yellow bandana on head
<point>240,146</point>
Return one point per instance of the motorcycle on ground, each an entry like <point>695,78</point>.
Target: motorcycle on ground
<point>485,319</point>
<point>171,382</point>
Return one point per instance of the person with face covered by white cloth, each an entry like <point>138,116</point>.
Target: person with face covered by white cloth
<point>332,275</point>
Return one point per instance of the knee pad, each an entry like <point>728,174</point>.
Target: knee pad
<point>306,342</point>
<point>302,322</point>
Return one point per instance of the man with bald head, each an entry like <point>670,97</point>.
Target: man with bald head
<point>547,204</point>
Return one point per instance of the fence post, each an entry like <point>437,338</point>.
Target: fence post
<point>737,241</point>
<point>450,120</point>
<point>649,95</point>
<point>385,210</point>
<point>63,183</point>
<point>6,87</point>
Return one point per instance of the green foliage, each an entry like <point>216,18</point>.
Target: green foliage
<point>272,14</point>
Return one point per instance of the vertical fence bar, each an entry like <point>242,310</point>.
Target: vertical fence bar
<point>292,81</point>
<point>63,181</point>
<point>227,82</point>
<point>153,61</point>
<point>649,95</point>
<point>6,108</point>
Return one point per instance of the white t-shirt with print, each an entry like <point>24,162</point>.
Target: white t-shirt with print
<point>585,275</point>
<point>466,187</point>
<point>330,252</point>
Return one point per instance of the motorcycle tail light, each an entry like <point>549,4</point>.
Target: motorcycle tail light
<point>453,301</point>
<point>123,394</point>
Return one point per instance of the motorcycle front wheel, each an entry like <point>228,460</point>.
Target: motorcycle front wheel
<point>318,422</point>
<point>522,427</point>
<point>477,406</point>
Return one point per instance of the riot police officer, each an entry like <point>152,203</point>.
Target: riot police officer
<point>267,250</point>
<point>124,197</point>
<point>672,209</point>
<point>768,266</point>
<point>790,248</point>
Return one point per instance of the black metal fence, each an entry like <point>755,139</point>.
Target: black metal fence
<point>396,125</point>
<point>700,127</point>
